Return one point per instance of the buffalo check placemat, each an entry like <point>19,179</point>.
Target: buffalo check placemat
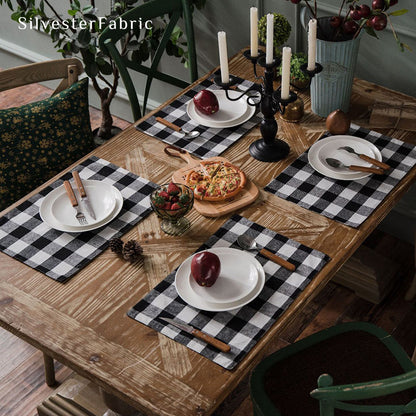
<point>240,328</point>
<point>59,255</point>
<point>349,202</point>
<point>211,141</point>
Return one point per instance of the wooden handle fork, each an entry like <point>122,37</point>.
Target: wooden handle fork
<point>377,171</point>
<point>70,193</point>
<point>375,162</point>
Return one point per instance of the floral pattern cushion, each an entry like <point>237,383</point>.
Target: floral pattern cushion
<point>40,139</point>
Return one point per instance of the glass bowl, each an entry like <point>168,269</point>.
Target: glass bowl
<point>171,202</point>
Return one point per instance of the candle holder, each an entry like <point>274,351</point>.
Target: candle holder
<point>311,74</point>
<point>269,148</point>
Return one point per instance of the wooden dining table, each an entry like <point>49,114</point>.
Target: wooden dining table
<point>83,322</point>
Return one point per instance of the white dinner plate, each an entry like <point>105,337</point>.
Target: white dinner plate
<point>219,120</point>
<point>45,211</point>
<point>100,196</point>
<point>238,277</point>
<point>187,293</point>
<point>228,111</point>
<point>329,147</point>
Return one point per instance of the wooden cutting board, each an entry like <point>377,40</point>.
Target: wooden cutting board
<point>247,195</point>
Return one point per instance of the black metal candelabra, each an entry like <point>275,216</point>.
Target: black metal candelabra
<point>268,148</point>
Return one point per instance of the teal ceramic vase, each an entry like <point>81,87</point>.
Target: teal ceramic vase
<point>331,89</point>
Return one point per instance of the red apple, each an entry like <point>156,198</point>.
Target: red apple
<point>206,102</point>
<point>205,268</point>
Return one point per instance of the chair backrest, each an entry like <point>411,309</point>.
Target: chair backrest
<point>339,397</point>
<point>66,69</point>
<point>294,370</point>
<point>111,36</point>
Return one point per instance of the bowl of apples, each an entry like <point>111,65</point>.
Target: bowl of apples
<point>171,202</point>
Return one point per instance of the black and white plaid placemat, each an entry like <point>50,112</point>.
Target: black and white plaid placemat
<point>211,142</point>
<point>243,327</point>
<point>349,202</point>
<point>59,255</point>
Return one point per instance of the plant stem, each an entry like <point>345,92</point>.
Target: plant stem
<point>314,15</point>
<point>340,9</point>
<point>359,29</point>
<point>311,10</point>
<point>58,16</point>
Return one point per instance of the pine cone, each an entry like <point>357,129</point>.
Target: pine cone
<point>116,245</point>
<point>132,251</point>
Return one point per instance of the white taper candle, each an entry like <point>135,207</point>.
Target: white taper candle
<point>254,38</point>
<point>285,86</point>
<point>312,44</point>
<point>222,46</point>
<point>269,38</point>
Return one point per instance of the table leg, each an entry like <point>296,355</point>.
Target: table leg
<point>410,295</point>
<point>49,370</point>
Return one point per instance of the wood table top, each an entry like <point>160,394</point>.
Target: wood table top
<point>83,323</point>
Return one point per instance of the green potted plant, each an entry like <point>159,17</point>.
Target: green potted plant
<point>71,38</point>
<point>298,78</point>
<point>281,32</point>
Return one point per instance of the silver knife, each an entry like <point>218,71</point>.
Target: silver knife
<point>84,199</point>
<point>199,334</point>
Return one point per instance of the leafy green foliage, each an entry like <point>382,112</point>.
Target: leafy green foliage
<point>77,34</point>
<point>282,31</point>
<point>297,60</point>
<point>70,37</point>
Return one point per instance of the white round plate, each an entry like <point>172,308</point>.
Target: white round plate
<point>45,211</point>
<point>329,147</point>
<point>100,195</point>
<point>186,292</point>
<point>211,121</point>
<point>236,280</point>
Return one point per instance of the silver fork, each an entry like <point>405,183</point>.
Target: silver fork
<point>79,215</point>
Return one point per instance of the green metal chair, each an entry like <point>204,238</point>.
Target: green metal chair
<point>111,43</point>
<point>372,373</point>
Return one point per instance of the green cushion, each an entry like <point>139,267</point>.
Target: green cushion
<point>40,139</point>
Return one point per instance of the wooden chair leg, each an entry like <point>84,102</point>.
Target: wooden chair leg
<point>49,370</point>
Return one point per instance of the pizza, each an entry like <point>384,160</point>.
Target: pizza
<point>215,181</point>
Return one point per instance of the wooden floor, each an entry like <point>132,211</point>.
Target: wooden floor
<point>22,385</point>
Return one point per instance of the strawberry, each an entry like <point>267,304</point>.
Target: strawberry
<point>174,199</point>
<point>158,201</point>
<point>164,195</point>
<point>167,206</point>
<point>173,189</point>
<point>175,206</point>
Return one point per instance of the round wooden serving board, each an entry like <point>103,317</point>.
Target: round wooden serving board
<point>247,195</point>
